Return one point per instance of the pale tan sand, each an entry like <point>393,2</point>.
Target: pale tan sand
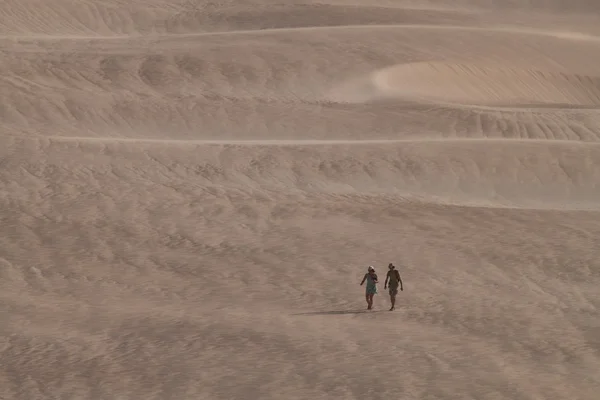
<point>192,191</point>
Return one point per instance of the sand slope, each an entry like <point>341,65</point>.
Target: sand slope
<point>191,192</point>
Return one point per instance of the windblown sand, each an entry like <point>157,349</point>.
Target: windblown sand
<point>191,192</point>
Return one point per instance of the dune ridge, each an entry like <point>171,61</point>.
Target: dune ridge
<point>191,191</point>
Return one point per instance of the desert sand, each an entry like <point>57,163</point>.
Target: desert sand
<point>191,192</point>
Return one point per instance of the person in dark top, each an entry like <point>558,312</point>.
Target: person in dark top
<point>392,281</point>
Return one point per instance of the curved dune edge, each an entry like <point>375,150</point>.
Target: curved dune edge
<point>473,84</point>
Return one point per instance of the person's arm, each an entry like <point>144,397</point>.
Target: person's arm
<point>375,278</point>
<point>387,277</point>
<point>399,280</point>
<point>363,281</point>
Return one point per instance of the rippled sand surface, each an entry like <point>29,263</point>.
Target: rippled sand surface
<point>191,192</point>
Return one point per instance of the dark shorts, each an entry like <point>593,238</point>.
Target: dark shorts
<point>393,290</point>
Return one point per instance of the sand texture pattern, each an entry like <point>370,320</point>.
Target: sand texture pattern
<point>191,192</point>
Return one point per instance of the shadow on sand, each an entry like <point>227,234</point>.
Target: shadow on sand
<point>339,312</point>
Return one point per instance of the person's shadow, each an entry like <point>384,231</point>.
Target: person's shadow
<point>339,312</point>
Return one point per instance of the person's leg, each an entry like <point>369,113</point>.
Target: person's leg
<point>393,292</point>
<point>370,301</point>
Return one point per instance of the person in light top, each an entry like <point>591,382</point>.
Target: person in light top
<point>371,289</point>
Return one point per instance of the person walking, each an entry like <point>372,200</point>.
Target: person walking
<point>393,277</point>
<point>371,289</point>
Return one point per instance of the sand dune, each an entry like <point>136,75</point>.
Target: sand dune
<point>191,192</point>
<point>490,85</point>
<point>494,173</point>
